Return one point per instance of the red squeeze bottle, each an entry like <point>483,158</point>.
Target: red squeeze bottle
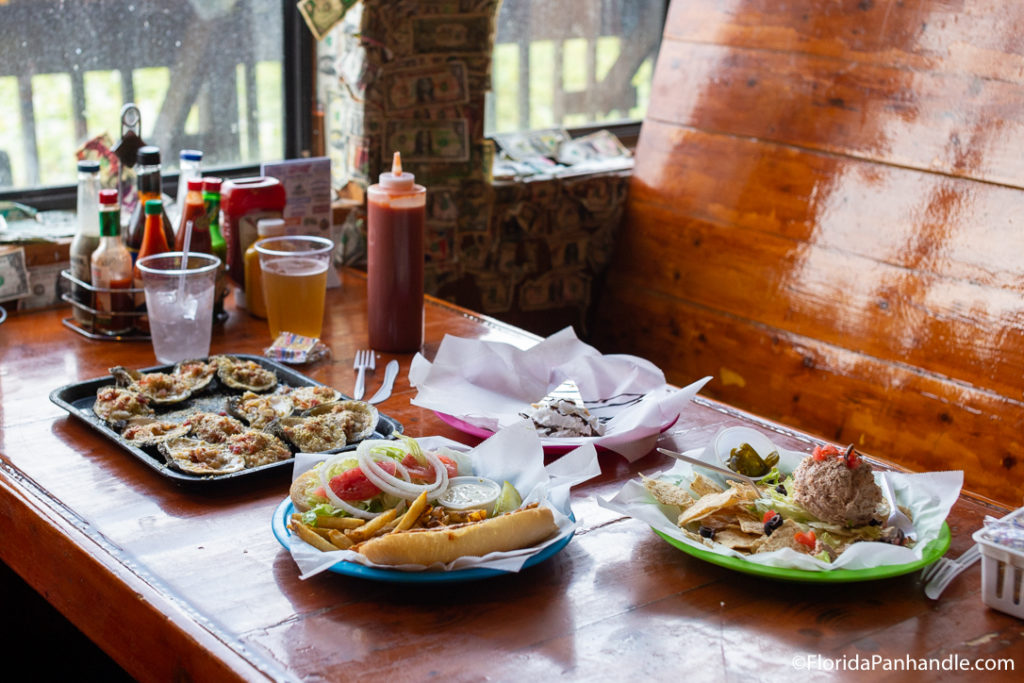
<point>396,216</point>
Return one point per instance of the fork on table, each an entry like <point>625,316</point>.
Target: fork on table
<point>939,574</point>
<point>364,361</point>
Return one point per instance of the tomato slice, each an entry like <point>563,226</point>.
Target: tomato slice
<point>421,474</point>
<point>805,537</point>
<point>352,485</point>
<point>822,452</point>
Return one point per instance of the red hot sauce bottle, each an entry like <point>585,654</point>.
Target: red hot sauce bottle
<point>395,223</point>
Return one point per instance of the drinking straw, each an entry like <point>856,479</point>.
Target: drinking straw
<point>184,258</point>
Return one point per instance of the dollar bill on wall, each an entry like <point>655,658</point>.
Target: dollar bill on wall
<point>428,85</point>
<point>13,273</point>
<point>323,15</point>
<point>427,141</point>
<point>452,33</point>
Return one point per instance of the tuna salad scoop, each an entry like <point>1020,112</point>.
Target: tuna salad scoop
<point>838,488</point>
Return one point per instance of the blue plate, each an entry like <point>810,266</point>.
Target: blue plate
<point>284,511</point>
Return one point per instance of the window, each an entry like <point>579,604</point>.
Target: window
<point>212,75</point>
<point>572,63</point>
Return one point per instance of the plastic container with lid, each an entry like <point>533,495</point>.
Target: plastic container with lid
<point>395,223</point>
<point>1002,566</point>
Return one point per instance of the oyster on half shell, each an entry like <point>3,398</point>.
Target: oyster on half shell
<point>196,374</point>
<point>359,417</point>
<point>198,457</point>
<point>114,404</point>
<point>150,431</point>
<point>213,428</point>
<point>159,387</point>
<point>244,374</point>
<point>259,410</point>
<point>257,448</point>
<point>312,434</point>
<point>305,398</point>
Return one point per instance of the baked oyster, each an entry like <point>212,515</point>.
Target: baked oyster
<point>114,404</point>
<point>198,457</point>
<point>244,374</point>
<point>213,428</point>
<point>257,448</point>
<point>359,417</point>
<point>159,387</point>
<point>196,374</point>
<point>150,431</point>
<point>312,434</point>
<point>305,398</point>
<point>259,410</point>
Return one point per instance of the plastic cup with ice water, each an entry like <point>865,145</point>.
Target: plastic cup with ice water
<point>295,282</point>
<point>179,303</point>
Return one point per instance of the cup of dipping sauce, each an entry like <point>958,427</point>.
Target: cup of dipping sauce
<point>471,493</point>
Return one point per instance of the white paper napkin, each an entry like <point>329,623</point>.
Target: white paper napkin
<point>513,454</point>
<point>491,384</point>
<point>929,497</point>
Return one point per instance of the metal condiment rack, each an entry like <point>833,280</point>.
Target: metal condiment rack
<point>89,329</point>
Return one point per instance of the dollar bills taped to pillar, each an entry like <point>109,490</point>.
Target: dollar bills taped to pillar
<point>13,273</point>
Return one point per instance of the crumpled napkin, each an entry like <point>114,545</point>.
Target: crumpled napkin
<point>513,454</point>
<point>489,384</point>
<point>929,496</point>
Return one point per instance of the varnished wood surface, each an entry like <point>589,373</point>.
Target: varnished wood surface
<point>179,584</point>
<point>824,215</point>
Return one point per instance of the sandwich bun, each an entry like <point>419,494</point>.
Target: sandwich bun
<point>511,531</point>
<point>302,491</point>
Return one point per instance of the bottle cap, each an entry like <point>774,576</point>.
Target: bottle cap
<point>195,184</point>
<point>108,197</point>
<point>396,179</point>
<point>211,184</point>
<point>149,155</point>
<point>154,207</point>
<point>191,155</point>
<point>88,166</point>
<point>270,227</point>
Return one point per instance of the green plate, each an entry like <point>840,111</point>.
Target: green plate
<point>932,552</point>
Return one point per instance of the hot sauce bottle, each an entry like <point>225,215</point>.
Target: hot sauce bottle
<point>153,242</point>
<point>112,270</point>
<point>193,212</point>
<point>395,222</point>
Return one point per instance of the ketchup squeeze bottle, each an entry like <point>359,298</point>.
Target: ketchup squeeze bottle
<point>395,221</point>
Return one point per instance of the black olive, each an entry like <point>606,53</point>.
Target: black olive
<point>773,523</point>
<point>706,532</point>
<point>874,522</point>
<point>781,489</point>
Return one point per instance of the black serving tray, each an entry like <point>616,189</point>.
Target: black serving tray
<point>78,399</point>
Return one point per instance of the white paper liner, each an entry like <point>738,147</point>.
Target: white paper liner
<point>513,454</point>
<point>490,384</point>
<point>928,496</point>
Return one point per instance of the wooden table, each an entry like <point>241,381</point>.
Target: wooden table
<point>191,585</point>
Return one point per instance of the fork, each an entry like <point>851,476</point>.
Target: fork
<point>364,361</point>
<point>939,574</point>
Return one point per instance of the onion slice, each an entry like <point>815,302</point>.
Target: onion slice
<point>401,486</point>
<point>337,502</point>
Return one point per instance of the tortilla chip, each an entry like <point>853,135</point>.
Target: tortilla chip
<point>667,493</point>
<point>709,504</point>
<point>783,537</point>
<point>749,525</point>
<point>702,486</point>
<point>737,540</point>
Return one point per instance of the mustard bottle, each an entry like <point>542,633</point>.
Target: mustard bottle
<point>254,301</point>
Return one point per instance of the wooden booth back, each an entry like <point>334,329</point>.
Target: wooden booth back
<point>827,216</point>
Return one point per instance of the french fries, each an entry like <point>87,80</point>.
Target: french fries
<point>341,533</point>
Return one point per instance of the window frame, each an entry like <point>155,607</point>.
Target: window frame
<point>297,77</point>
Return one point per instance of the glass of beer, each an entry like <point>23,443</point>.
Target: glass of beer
<point>295,282</point>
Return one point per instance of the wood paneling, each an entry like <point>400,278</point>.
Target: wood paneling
<point>826,215</point>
